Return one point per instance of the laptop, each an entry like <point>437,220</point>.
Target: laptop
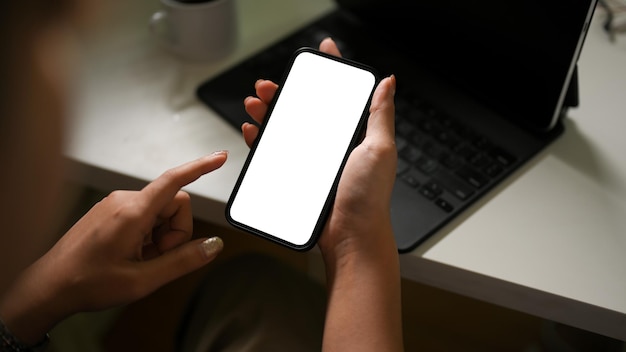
<point>482,87</point>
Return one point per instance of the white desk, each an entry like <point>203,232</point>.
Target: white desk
<point>137,115</point>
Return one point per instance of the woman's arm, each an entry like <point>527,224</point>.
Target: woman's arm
<point>128,245</point>
<point>358,246</point>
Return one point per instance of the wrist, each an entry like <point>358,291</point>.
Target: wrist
<point>371,240</point>
<point>9,342</point>
<point>30,308</point>
<point>372,250</point>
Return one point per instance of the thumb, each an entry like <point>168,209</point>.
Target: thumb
<point>181,261</point>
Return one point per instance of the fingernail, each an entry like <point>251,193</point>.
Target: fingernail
<point>219,152</point>
<point>212,246</point>
<point>393,84</point>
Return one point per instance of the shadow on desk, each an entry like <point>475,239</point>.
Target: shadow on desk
<point>574,149</point>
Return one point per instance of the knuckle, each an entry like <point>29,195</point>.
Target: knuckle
<point>183,196</point>
<point>383,149</point>
<point>122,206</point>
<point>170,175</point>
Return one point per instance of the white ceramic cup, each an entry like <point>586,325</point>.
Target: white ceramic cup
<point>205,30</point>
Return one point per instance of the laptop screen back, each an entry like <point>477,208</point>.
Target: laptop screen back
<point>515,56</point>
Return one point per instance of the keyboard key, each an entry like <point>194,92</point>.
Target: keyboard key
<point>481,143</point>
<point>448,139</point>
<point>454,185</point>
<point>433,149</point>
<point>411,178</point>
<point>464,132</point>
<point>472,177</point>
<point>451,161</point>
<point>466,151</point>
<point>427,193</point>
<point>429,127</point>
<point>404,128</point>
<point>434,187</point>
<point>418,139</point>
<point>416,115</point>
<point>411,154</point>
<point>502,156</point>
<point>402,167</point>
<point>493,170</point>
<point>444,204</point>
<point>479,161</point>
<point>401,143</point>
<point>427,165</point>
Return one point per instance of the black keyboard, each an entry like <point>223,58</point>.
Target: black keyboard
<point>442,159</point>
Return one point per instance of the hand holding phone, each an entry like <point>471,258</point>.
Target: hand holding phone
<point>287,185</point>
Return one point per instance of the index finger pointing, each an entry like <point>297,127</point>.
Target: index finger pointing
<point>161,191</point>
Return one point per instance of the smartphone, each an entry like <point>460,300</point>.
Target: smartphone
<point>287,185</point>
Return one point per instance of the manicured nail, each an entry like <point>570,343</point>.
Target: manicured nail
<point>219,152</point>
<point>212,246</point>
<point>393,84</point>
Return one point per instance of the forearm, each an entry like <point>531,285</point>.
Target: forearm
<point>364,306</point>
<point>28,308</point>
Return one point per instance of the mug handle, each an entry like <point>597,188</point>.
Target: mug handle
<point>161,28</point>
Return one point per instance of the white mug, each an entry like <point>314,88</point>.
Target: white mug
<point>197,30</point>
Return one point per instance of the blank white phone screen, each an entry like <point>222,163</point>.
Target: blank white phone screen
<point>300,152</point>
